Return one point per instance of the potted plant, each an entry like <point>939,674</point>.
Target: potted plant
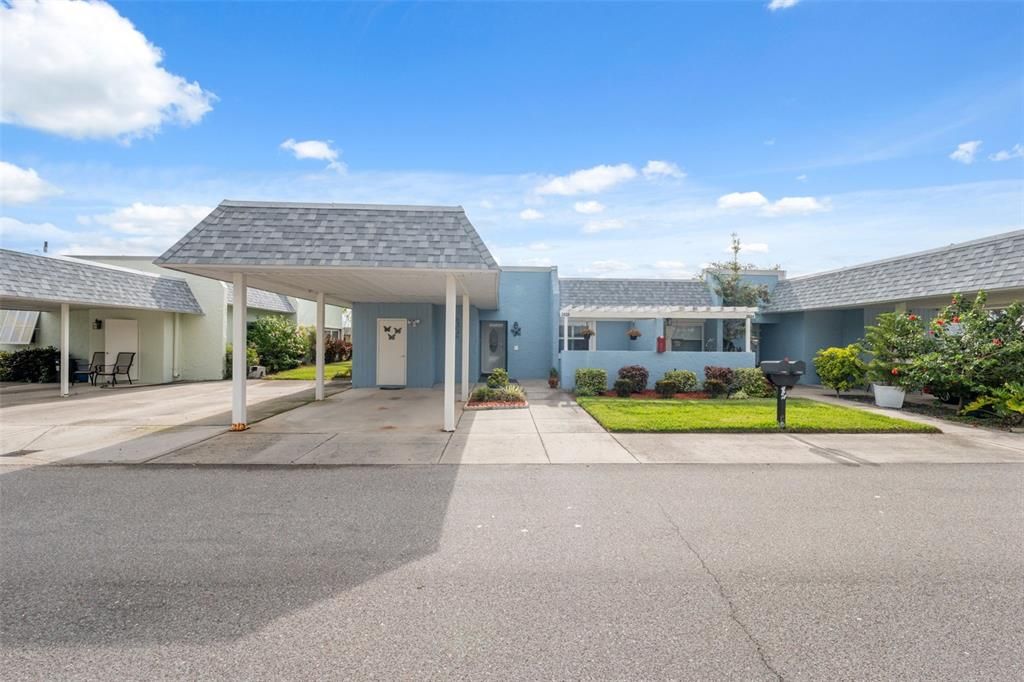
<point>587,332</point>
<point>633,333</point>
<point>893,344</point>
<point>553,378</point>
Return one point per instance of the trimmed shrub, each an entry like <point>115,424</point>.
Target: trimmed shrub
<point>35,365</point>
<point>752,382</point>
<point>725,375</point>
<point>250,359</point>
<point>637,377</point>
<point>740,394</point>
<point>591,381</point>
<point>483,395</point>
<point>666,388</point>
<point>716,388</point>
<point>510,394</point>
<point>497,378</point>
<point>684,380</point>
<point>840,368</point>
<point>622,387</point>
<point>279,343</point>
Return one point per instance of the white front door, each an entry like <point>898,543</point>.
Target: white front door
<point>392,338</point>
<point>122,336</point>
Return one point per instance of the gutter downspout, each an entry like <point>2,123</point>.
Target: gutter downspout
<point>175,340</point>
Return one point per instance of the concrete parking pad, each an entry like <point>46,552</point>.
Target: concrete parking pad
<point>585,448</point>
<point>494,448</point>
<point>392,449</point>
<point>248,448</point>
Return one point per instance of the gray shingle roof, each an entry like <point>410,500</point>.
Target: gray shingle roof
<point>26,277</point>
<point>355,235</point>
<point>989,264</point>
<point>633,292</point>
<point>262,300</point>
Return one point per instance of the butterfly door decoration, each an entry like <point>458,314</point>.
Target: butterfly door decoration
<point>392,332</point>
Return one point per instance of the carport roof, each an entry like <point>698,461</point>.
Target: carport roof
<point>352,253</point>
<point>33,282</point>
<point>355,235</point>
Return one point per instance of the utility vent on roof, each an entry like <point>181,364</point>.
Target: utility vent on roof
<point>17,326</point>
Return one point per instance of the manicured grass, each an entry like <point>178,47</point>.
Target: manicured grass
<point>754,415</point>
<point>332,370</point>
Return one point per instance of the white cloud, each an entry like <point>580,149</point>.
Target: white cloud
<point>15,233</point>
<point>484,203</point>
<point>796,206</point>
<point>137,229</point>
<point>530,214</point>
<point>781,4</point>
<point>802,178</point>
<point>320,150</point>
<point>669,265</point>
<point>770,142</point>
<point>667,169</point>
<point>755,247</point>
<point>22,185</point>
<point>539,246</point>
<point>595,226</point>
<point>588,181</point>
<point>604,267</point>
<point>589,207</point>
<point>1015,152</point>
<point>81,70</point>
<point>543,262</point>
<point>742,200</point>
<point>965,151</point>
<point>784,206</point>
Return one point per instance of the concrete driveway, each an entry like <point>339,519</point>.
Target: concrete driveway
<point>129,424</point>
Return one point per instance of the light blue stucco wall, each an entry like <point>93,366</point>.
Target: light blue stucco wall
<point>419,350</point>
<point>611,335</point>
<point>656,363</point>
<point>799,336</point>
<point>529,297</point>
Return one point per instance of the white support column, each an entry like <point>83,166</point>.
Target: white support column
<point>320,346</point>
<point>239,341</point>
<point>465,348</point>
<point>746,336</point>
<point>449,353</point>
<point>65,345</point>
<point>565,332</point>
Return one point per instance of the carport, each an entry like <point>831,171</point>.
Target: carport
<point>60,285</point>
<point>344,254</point>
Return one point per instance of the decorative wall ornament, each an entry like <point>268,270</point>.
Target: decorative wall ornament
<point>392,332</point>
<point>516,329</point>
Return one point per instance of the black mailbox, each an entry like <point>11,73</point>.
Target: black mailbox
<point>783,375</point>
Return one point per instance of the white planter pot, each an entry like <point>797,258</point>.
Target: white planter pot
<point>888,396</point>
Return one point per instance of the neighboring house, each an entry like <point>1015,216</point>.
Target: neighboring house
<point>198,340</point>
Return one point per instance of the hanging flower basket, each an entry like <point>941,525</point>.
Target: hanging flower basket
<point>587,332</point>
<point>634,333</point>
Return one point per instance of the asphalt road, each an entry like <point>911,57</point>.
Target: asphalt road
<point>600,572</point>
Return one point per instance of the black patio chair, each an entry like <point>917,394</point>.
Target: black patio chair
<point>94,367</point>
<point>122,366</point>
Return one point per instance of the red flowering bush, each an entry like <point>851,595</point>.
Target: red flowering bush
<point>977,352</point>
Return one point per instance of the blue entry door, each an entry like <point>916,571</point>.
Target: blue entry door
<point>493,346</point>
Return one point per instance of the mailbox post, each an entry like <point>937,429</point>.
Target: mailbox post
<point>783,375</point>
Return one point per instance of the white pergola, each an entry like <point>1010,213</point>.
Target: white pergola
<point>639,312</point>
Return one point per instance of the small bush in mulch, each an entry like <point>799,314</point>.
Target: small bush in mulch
<point>635,376</point>
<point>622,388</point>
<point>504,397</point>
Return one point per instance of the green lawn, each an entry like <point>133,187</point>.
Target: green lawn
<point>682,416</point>
<point>332,370</point>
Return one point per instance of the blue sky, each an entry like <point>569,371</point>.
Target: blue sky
<point>824,133</point>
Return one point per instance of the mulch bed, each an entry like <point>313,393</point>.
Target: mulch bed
<point>652,395</point>
<point>496,406</point>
